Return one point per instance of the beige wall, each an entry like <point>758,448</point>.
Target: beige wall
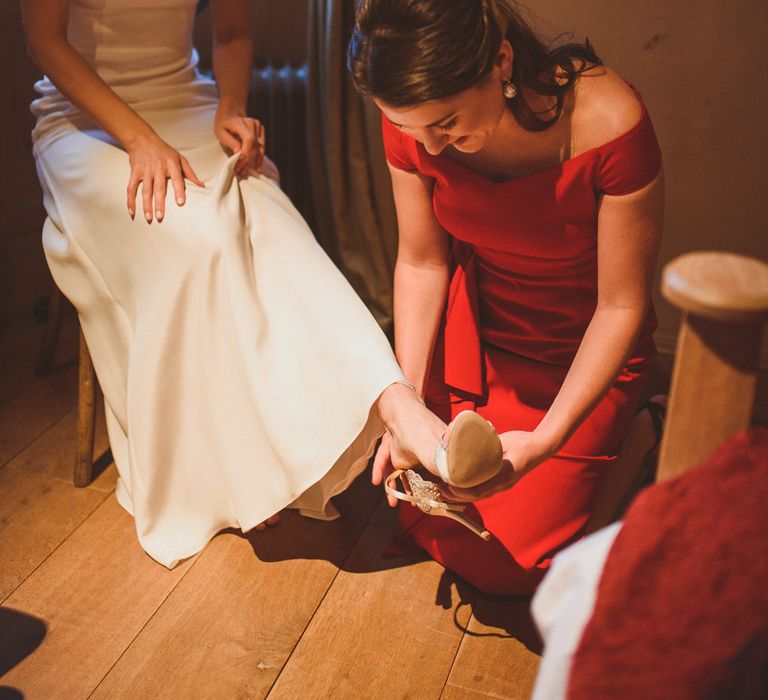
<point>703,71</point>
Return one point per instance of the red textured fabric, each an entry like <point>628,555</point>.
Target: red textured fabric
<point>682,605</point>
<point>522,292</point>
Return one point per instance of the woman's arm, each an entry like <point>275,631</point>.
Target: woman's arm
<point>232,65</point>
<point>421,285</point>
<point>421,275</point>
<point>45,24</point>
<point>152,160</point>
<point>628,238</point>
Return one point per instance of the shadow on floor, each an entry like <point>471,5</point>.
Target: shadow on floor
<point>355,542</point>
<point>511,616</point>
<point>359,542</point>
<point>20,635</point>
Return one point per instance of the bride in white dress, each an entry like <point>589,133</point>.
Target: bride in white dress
<point>241,373</point>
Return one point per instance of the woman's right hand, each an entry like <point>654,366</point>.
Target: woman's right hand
<point>153,162</point>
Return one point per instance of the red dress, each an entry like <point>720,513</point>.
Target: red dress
<point>522,293</point>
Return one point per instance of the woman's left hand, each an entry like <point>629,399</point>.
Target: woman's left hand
<point>244,136</point>
<point>522,452</point>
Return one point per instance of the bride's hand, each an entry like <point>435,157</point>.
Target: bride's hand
<point>244,136</point>
<point>153,162</point>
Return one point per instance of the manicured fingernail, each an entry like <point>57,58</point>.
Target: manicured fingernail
<point>148,215</point>
<point>179,200</point>
<point>158,214</point>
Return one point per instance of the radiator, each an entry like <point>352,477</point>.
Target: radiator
<point>278,99</point>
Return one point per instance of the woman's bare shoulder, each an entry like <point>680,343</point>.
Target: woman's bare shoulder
<point>605,107</point>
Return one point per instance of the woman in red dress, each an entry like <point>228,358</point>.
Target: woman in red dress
<point>529,198</point>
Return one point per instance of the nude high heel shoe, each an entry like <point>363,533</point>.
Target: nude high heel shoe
<point>471,454</point>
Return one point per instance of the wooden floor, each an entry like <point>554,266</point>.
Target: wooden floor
<point>304,610</point>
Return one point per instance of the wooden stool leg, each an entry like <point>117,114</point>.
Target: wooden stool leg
<point>713,390</point>
<point>51,337</point>
<point>86,416</point>
<point>724,298</point>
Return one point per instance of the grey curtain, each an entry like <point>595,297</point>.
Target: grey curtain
<point>353,212</point>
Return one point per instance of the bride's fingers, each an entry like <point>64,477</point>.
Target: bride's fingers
<point>177,182</point>
<point>245,131</point>
<point>251,165</point>
<point>228,140</point>
<point>131,191</point>
<point>159,191</point>
<point>189,173</point>
<point>261,136</point>
<point>146,196</point>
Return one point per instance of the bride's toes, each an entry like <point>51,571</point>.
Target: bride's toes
<point>269,522</point>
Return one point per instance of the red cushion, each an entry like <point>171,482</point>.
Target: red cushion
<point>682,606</point>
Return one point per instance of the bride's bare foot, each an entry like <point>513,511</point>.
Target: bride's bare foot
<point>413,429</point>
<point>269,522</point>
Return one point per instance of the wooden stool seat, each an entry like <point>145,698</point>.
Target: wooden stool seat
<point>719,286</point>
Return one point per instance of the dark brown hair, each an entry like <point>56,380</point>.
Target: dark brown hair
<point>406,52</point>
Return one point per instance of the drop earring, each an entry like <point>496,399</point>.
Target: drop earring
<point>509,89</point>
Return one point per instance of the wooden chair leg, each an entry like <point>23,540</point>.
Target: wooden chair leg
<point>51,336</point>
<point>724,298</point>
<point>86,416</point>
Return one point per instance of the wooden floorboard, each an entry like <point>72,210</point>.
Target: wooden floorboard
<point>499,655</point>
<point>386,628</point>
<point>39,506</point>
<point>304,610</point>
<point>94,594</point>
<point>229,626</point>
<point>36,515</point>
<point>53,453</point>
<point>452,692</point>
<point>30,404</point>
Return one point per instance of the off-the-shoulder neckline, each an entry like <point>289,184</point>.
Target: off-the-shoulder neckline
<point>552,168</point>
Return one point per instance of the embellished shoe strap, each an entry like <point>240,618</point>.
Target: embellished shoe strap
<point>426,496</point>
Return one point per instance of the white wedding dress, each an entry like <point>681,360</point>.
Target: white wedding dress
<point>238,366</point>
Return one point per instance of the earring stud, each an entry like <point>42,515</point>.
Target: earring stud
<point>509,89</point>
